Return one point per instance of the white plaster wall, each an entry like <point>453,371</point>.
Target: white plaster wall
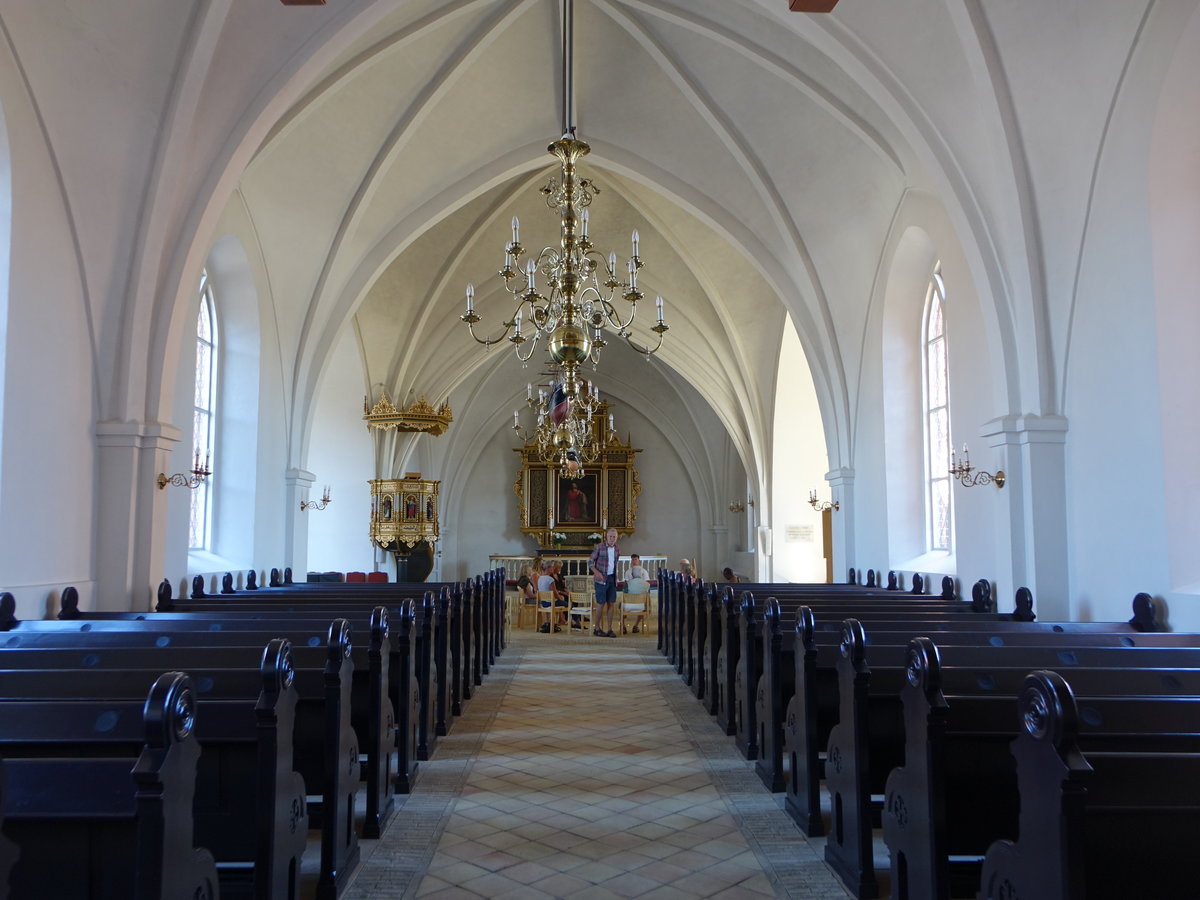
<point>799,466</point>
<point>1175,229</point>
<point>340,455</point>
<point>48,456</point>
<point>889,412</point>
<point>1114,455</point>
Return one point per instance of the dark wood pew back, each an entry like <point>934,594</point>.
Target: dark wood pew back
<point>1093,823</point>
<point>110,815</point>
<point>955,791</point>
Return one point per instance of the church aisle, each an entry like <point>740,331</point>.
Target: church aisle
<point>584,768</point>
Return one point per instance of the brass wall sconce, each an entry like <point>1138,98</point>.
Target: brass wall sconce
<point>192,480</point>
<point>737,506</point>
<point>961,471</point>
<point>315,504</point>
<point>822,507</point>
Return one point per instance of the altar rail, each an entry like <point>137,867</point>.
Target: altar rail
<point>573,564</point>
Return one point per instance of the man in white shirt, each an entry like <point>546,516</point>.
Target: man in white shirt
<point>603,563</point>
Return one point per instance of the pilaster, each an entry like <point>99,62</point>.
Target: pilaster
<point>295,539</point>
<point>1033,533</point>
<point>841,491</point>
<point>131,518</point>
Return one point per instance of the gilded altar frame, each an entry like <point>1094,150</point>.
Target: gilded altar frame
<point>545,506</point>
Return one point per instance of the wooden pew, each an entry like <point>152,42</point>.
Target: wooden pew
<point>250,809</point>
<point>776,684</point>
<point>326,746</point>
<point>869,738</point>
<point>814,706</point>
<point>94,822</point>
<point>1099,823</point>
<point>127,644</point>
<point>431,680</point>
<point>306,628</point>
<point>688,626</point>
<point>747,692</point>
<point>725,629</point>
<point>483,639</point>
<point>434,655</point>
<point>957,790</point>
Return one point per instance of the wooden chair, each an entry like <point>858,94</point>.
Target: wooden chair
<point>582,608</point>
<point>636,603</point>
<point>527,609</point>
<point>545,609</point>
<point>583,601</point>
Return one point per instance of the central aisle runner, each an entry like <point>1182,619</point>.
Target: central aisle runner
<point>581,771</point>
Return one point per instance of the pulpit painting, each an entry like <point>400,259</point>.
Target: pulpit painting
<point>577,501</point>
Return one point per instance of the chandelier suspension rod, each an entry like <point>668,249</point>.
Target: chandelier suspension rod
<point>568,68</point>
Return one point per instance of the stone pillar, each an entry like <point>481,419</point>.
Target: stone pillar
<point>295,522</point>
<point>841,491</point>
<point>131,517</point>
<point>1033,535</point>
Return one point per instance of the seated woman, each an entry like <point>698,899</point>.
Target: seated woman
<point>526,587</point>
<point>546,583</point>
<point>727,574</point>
<point>637,583</point>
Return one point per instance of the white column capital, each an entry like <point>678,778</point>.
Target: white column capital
<point>840,477</point>
<point>299,478</point>
<point>1025,429</point>
<point>137,435</point>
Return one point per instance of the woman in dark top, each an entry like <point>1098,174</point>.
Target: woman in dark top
<point>526,586</point>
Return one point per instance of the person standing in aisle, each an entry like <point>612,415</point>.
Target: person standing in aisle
<point>603,563</point>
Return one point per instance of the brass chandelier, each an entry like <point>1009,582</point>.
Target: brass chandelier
<point>570,433</point>
<point>583,288</point>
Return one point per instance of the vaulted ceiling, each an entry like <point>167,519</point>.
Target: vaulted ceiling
<point>719,130</point>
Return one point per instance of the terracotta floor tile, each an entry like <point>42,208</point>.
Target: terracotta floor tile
<point>583,768</point>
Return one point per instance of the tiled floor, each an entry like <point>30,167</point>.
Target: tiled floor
<point>584,768</point>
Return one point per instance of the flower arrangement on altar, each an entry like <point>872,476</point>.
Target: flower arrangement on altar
<point>558,538</point>
<point>595,536</point>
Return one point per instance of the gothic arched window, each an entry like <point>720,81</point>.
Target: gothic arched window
<point>938,502</point>
<point>200,530</point>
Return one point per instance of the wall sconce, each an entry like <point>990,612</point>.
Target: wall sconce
<point>822,507</point>
<point>190,480</point>
<point>313,504</point>
<point>737,506</point>
<point>960,471</point>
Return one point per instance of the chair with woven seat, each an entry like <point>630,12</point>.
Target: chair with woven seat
<point>582,610</point>
<point>546,610</point>
<point>583,600</point>
<point>635,602</point>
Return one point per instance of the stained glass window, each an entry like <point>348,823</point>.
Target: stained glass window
<point>938,499</point>
<point>200,529</point>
